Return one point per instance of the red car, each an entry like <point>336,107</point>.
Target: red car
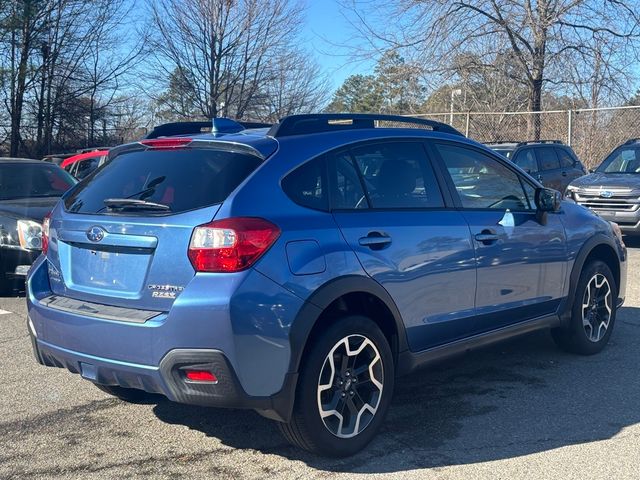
<point>83,164</point>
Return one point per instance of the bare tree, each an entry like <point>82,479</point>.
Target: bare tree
<point>540,37</point>
<point>221,52</point>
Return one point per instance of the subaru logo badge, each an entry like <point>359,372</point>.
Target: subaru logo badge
<point>606,194</point>
<point>95,234</point>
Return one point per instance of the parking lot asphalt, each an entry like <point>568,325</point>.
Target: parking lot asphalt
<point>521,409</point>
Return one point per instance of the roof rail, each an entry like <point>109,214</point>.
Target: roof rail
<point>331,122</point>
<point>500,142</point>
<point>529,142</point>
<point>216,125</point>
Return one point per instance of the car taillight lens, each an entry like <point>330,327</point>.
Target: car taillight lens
<point>164,143</point>
<point>232,244</point>
<point>45,233</point>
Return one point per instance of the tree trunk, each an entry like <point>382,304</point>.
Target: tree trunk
<point>534,105</point>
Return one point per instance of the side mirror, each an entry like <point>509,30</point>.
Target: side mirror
<point>548,200</point>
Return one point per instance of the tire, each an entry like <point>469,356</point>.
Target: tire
<point>593,312</point>
<point>130,395</point>
<point>363,385</point>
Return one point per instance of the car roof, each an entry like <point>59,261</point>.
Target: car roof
<point>19,160</point>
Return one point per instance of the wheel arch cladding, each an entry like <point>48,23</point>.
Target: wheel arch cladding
<point>598,247</point>
<point>351,295</point>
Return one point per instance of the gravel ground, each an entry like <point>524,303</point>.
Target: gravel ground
<point>521,409</point>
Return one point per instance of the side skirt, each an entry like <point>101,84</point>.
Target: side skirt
<point>409,361</point>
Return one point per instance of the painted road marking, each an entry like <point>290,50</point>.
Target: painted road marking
<point>3,312</point>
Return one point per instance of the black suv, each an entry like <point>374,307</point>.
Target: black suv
<point>613,189</point>
<point>551,162</point>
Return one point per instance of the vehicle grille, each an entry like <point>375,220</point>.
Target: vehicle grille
<point>621,200</point>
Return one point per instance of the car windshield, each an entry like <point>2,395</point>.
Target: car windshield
<point>174,180</point>
<point>30,180</point>
<point>623,160</point>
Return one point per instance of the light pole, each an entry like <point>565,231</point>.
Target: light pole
<point>454,93</point>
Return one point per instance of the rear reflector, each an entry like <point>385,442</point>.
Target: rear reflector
<point>201,376</point>
<point>167,142</point>
<point>231,245</point>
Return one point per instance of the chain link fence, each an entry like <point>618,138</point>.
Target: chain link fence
<point>592,133</point>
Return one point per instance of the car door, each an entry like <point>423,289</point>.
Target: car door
<point>526,159</point>
<point>550,174</point>
<point>569,166</point>
<point>521,261</point>
<point>389,206</point>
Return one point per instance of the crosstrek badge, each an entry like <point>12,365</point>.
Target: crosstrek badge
<point>165,291</point>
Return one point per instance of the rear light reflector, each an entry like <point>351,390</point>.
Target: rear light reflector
<point>160,143</point>
<point>45,233</point>
<point>232,244</point>
<point>201,376</point>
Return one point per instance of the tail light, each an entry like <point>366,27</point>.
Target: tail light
<point>232,244</point>
<point>45,233</point>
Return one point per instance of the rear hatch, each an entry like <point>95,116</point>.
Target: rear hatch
<point>121,236</point>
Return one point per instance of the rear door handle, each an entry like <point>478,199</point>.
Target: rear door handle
<point>375,240</point>
<point>487,237</point>
<point>564,174</point>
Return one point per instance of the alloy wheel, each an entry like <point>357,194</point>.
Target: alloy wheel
<point>350,386</point>
<point>597,307</point>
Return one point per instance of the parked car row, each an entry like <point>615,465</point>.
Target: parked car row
<point>298,270</point>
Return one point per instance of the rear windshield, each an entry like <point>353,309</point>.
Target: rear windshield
<point>181,180</point>
<point>33,180</point>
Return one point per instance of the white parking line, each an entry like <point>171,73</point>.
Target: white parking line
<point>3,312</point>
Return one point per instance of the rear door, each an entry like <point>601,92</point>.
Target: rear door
<point>550,172</point>
<point>405,237</point>
<point>136,256</point>
<point>521,262</point>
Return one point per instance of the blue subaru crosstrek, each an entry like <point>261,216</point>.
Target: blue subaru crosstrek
<point>299,270</point>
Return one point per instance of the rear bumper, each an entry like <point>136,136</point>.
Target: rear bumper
<point>239,326</point>
<point>168,378</point>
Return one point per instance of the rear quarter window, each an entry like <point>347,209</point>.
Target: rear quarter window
<point>183,179</point>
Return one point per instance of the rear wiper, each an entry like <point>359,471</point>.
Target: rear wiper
<point>132,203</point>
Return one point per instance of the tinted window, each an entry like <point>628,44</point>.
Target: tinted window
<point>85,167</point>
<point>622,160</point>
<point>566,160</point>
<point>526,160</point>
<point>481,181</point>
<point>346,191</point>
<point>548,158</point>
<point>398,175</point>
<point>307,185</point>
<point>33,180</point>
<point>183,179</point>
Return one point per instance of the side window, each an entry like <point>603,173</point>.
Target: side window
<point>307,185</point>
<point>398,175</point>
<point>526,160</point>
<point>482,181</point>
<point>566,160</point>
<point>346,188</point>
<point>548,158</point>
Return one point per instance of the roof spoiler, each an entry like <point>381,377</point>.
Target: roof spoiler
<point>220,125</point>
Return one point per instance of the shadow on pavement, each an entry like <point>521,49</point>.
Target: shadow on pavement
<point>513,399</point>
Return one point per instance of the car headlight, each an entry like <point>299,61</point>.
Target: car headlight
<point>570,191</point>
<point>30,235</point>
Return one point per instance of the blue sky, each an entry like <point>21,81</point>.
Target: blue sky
<point>327,27</point>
